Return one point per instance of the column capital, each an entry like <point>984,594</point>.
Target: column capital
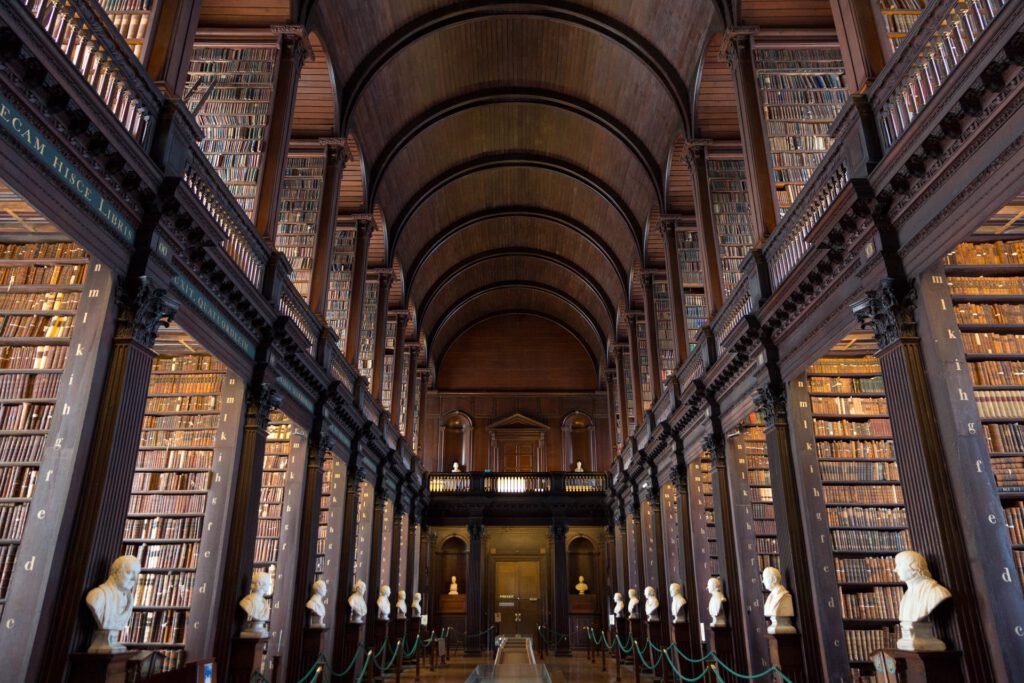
<point>294,42</point>
<point>712,443</point>
<point>263,398</point>
<point>364,225</point>
<point>338,146</point>
<point>889,311</point>
<point>771,402</point>
<point>634,316</point>
<point>319,444</point>
<point>736,44</point>
<point>384,279</point>
<point>143,310</point>
<point>476,531</point>
<point>559,530</point>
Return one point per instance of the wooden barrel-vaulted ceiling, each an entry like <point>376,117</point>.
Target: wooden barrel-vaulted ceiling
<point>516,150</point>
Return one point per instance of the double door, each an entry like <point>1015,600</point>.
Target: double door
<point>517,596</point>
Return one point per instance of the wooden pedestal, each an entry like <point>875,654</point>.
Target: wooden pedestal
<point>101,668</point>
<point>785,654</point>
<point>452,604</point>
<point>312,646</point>
<point>903,666</point>
<point>681,638</point>
<point>354,635</point>
<point>245,659</point>
<point>722,643</point>
<point>654,637</point>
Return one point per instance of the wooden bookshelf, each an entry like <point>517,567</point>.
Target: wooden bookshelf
<point>897,18</point>
<point>801,93</point>
<point>330,528</point>
<point>369,323</point>
<point>301,189</point>
<point>627,381</point>
<point>339,292</point>
<point>403,399</point>
<point>646,390</point>
<point>707,501</point>
<point>228,92</point>
<point>691,275</point>
<point>39,304</point>
<point>131,18</point>
<point>730,210</point>
<point>388,371</point>
<point>663,320</point>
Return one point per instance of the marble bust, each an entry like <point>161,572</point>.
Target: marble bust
<point>111,604</point>
<point>778,606</point>
<point>357,602</point>
<point>651,605</point>
<point>316,606</point>
<point>383,603</point>
<point>582,586</point>
<point>578,467</point>
<point>678,603</point>
<point>634,604</point>
<point>619,609</point>
<point>922,596</point>
<point>400,608</point>
<point>716,605</point>
<point>454,588</point>
<point>257,607</point>
<point>415,607</point>
<point>455,467</point>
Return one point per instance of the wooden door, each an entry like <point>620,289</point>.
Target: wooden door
<point>518,456</point>
<point>517,596</point>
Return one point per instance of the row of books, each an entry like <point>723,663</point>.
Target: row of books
<point>986,253</point>
<point>17,481</point>
<point>24,326</point>
<point>24,385</point>
<point>849,405</point>
<point>1009,472</point>
<point>12,520</point>
<point>150,528</point>
<point>156,626</point>
<point>768,546</point>
<point>40,301</point>
<point>859,366</point>
<point>181,421</point>
<point>173,404</point>
<point>893,518</point>
<point>997,372</point>
<point>776,128</point>
<point>849,385</point>
<point>1004,438</point>
<point>871,471</point>
<point>175,459</point>
<point>999,404</point>
<point>864,495</point>
<point>189,363</point>
<point>21,448</point>
<point>986,286</point>
<point>165,590</point>
<point>142,504</point>
<point>266,550</point>
<point>162,556</point>
<point>866,569</point>
<point>46,357</point>
<point>42,274</point>
<point>875,540</point>
<point>883,602</point>
<point>860,643</point>
<point>990,343</point>
<point>989,314</point>
<point>149,482</point>
<point>871,428</point>
<point>176,439</point>
<point>41,250</point>
<point>855,450</point>
<point>1015,522</point>
<point>26,417</point>
<point>191,383</point>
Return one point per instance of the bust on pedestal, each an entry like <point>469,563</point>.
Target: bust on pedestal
<point>111,604</point>
<point>581,587</point>
<point>455,467</point>
<point>400,608</point>
<point>678,603</point>
<point>416,608</point>
<point>453,589</point>
<point>357,603</point>
<point>651,605</point>
<point>716,605</point>
<point>778,606</point>
<point>922,596</point>
<point>257,607</point>
<point>316,606</point>
<point>383,603</point>
<point>619,607</point>
<point>633,608</point>
<point>578,467</point>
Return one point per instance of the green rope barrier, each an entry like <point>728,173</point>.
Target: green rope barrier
<point>688,659</point>
<point>351,664</point>
<point>643,661</point>
<point>625,651</point>
<point>680,676</point>
<point>766,672</point>
<point>314,670</point>
<point>415,646</point>
<point>366,663</point>
<point>257,677</point>
<point>398,647</point>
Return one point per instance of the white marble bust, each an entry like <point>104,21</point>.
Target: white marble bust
<point>678,603</point>
<point>415,607</point>
<point>111,604</point>
<point>582,586</point>
<point>778,606</point>
<point>634,604</point>
<point>316,606</point>
<point>400,608</point>
<point>578,467</point>
<point>619,610</point>
<point>257,607</point>
<point>922,596</point>
<point>455,467</point>
<point>383,603</point>
<point>651,605</point>
<point>454,588</point>
<point>716,605</point>
<point>357,602</point>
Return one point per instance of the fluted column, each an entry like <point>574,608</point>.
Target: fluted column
<point>675,290</point>
<point>474,592</point>
<point>651,325</point>
<point>561,570</point>
<point>398,368</point>
<point>364,228</point>
<point>697,160</point>
<point>380,337</point>
<point>634,367</point>
<point>290,57</point>
<point>336,156</point>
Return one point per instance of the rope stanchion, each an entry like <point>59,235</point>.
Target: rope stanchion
<point>689,659</point>
<point>766,672</point>
<point>366,663</point>
<point>683,678</point>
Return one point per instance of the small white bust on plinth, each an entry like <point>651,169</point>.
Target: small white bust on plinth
<point>454,588</point>
<point>357,603</point>
<point>651,606</point>
<point>257,607</point>
<point>316,606</point>
<point>383,603</point>
<point>111,604</point>
<point>578,467</point>
<point>716,605</point>
<point>619,610</point>
<point>582,586</point>
<point>922,596</point>
<point>415,607</point>
<point>400,609</point>
<point>778,606</point>
<point>634,604</point>
<point>455,467</point>
<point>678,602</point>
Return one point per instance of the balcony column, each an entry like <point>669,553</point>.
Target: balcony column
<point>634,368</point>
<point>364,228</point>
<point>685,572</point>
<point>621,548</point>
<point>336,156</point>
<point>633,550</point>
<point>696,159</point>
<point>474,593</point>
<point>398,368</point>
<point>653,551</point>
<point>860,41</point>
<point>410,393</point>
<point>169,48</point>
<point>380,333</point>
<point>613,439</point>
<point>651,325</point>
<point>561,570</point>
<point>675,290</point>
<point>421,409</point>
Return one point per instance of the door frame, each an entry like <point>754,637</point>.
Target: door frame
<point>491,603</point>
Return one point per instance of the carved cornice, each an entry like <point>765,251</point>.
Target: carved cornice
<point>144,309</point>
<point>262,399</point>
<point>889,312</point>
<point>770,401</point>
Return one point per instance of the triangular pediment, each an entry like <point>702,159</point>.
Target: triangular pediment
<point>517,421</point>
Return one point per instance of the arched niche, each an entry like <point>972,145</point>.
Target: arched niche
<point>578,441</point>
<point>584,561</point>
<point>456,441</point>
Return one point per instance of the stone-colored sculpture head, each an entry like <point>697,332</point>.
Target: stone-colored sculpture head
<point>922,596</point>
<point>315,604</point>
<point>111,603</point>
<point>778,606</point>
<point>716,605</point>
<point>652,603</point>
<point>357,602</point>
<point>263,584</point>
<point>634,604</point>
<point>257,607</point>
<point>675,591</point>
<point>770,578</point>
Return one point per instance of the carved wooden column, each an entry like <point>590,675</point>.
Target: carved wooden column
<point>675,290</point>
<point>653,552</point>
<point>170,44</point>
<point>474,594</point>
<point>290,56</point>
<point>327,223</point>
<point>240,547</point>
<point>364,228</point>
<point>634,367</point>
<point>398,368</point>
<point>347,634</point>
<point>651,325</point>
<point>620,388</point>
<point>613,437</point>
<point>421,428</point>
<point>561,570</point>
<point>794,559</point>
<point>935,528</point>
<point>685,573</point>
<point>98,526</point>
<point>412,570</point>
<point>380,336</point>
<point>410,393</point>
<point>697,160</point>
<point>621,554</point>
<point>860,42</point>
<point>740,53</point>
<point>634,554</point>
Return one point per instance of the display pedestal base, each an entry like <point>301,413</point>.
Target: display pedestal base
<point>379,642</point>
<point>312,646</point>
<point>92,667</point>
<point>904,666</point>
<point>354,635</point>
<point>245,659</point>
<point>654,637</point>
<point>785,654</point>
<point>722,644</point>
<point>681,638</point>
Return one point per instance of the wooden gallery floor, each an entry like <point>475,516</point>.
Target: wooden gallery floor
<point>575,668</point>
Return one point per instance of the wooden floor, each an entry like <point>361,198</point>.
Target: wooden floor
<point>575,668</point>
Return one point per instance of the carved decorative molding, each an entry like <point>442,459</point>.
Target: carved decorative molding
<point>771,403</point>
<point>144,309</point>
<point>262,399</point>
<point>888,312</point>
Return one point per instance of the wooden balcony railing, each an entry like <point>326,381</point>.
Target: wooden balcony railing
<point>515,483</point>
<point>96,50</point>
<point>294,306</point>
